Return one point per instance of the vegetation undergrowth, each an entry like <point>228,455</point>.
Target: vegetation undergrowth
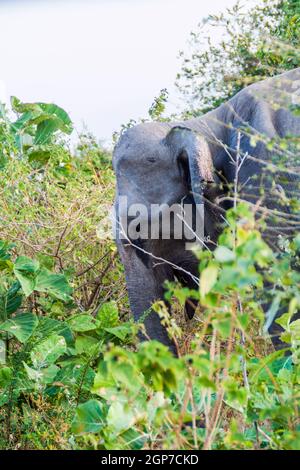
<point>72,373</point>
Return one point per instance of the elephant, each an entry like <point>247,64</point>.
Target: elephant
<point>164,163</point>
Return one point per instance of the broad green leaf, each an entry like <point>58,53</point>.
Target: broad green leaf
<point>24,121</point>
<point>48,351</point>
<point>45,375</point>
<point>26,265</point>
<point>123,373</point>
<point>121,416</point>
<point>104,386</point>
<point>20,107</point>
<point>122,331</point>
<point>49,326</point>
<point>10,301</point>
<point>82,322</point>
<point>33,374</point>
<point>54,284</point>
<point>21,326</point>
<point>108,315</point>
<point>46,129</point>
<point>90,417</point>
<point>133,439</point>
<point>208,279</point>
<point>57,120</point>
<point>31,278</point>
<point>85,344</point>
<point>45,118</point>
<point>25,270</point>
<point>72,377</point>
<point>59,113</point>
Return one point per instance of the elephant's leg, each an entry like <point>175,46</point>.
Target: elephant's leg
<point>189,262</point>
<point>190,304</point>
<point>145,286</point>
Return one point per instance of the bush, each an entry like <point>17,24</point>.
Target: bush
<point>72,373</point>
<point>77,365</point>
<point>255,44</point>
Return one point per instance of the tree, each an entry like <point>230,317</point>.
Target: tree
<point>255,44</point>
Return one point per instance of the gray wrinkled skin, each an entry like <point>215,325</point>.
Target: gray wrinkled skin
<point>165,162</point>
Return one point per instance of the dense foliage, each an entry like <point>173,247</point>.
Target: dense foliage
<point>72,372</point>
<point>236,48</point>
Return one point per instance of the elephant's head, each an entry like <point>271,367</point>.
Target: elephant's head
<point>159,164</point>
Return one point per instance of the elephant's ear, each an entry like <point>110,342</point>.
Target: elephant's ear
<point>191,147</point>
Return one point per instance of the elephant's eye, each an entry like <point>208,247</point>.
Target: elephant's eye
<point>151,159</point>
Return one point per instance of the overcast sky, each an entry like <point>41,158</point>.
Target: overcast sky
<point>101,60</point>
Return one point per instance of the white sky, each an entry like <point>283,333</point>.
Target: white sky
<point>101,60</point>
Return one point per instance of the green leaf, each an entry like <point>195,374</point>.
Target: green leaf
<point>133,439</point>
<point>59,115</point>
<point>85,344</point>
<point>45,376</point>
<point>54,284</point>
<point>49,326</point>
<point>90,417</point>
<point>10,301</point>
<point>223,325</point>
<point>122,332</point>
<point>20,107</point>
<point>71,377</point>
<point>25,270</point>
<point>46,129</point>
<point>283,320</point>
<point>21,326</point>
<point>263,363</point>
<point>45,118</point>
<point>24,264</point>
<point>295,109</point>
<point>208,279</point>
<point>236,396</point>
<point>224,254</point>
<point>295,330</point>
<point>120,416</point>
<point>108,315</point>
<point>82,322</point>
<point>104,385</point>
<point>48,351</point>
<point>31,278</point>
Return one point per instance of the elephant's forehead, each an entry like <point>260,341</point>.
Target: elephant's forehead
<point>139,147</point>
